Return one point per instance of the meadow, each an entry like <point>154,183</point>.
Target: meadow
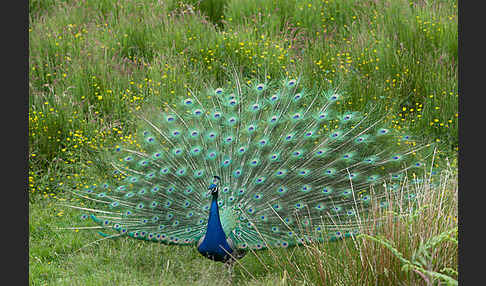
<point>93,64</point>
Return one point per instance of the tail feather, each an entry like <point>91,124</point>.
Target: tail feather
<point>287,159</point>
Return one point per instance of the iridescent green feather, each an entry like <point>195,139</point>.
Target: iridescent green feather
<point>289,160</point>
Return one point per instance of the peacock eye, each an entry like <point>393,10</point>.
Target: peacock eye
<point>291,82</point>
<point>383,131</point>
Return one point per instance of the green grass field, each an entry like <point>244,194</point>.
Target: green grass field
<point>94,63</point>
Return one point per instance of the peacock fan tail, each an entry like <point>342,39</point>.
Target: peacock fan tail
<point>233,169</point>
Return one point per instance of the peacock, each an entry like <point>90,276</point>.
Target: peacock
<point>251,166</point>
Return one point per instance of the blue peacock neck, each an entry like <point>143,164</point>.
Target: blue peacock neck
<point>214,245</point>
<point>214,221</point>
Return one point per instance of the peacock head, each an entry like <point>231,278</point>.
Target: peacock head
<point>213,188</point>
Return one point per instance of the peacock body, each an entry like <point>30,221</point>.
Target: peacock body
<point>248,167</point>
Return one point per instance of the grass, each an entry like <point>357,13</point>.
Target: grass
<point>416,249</point>
<point>94,63</point>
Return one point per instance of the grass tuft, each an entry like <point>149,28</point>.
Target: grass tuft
<point>417,246</point>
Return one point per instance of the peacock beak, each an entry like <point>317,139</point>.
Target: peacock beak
<point>212,188</point>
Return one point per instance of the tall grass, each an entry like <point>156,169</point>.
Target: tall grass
<point>93,64</point>
<point>417,246</point>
